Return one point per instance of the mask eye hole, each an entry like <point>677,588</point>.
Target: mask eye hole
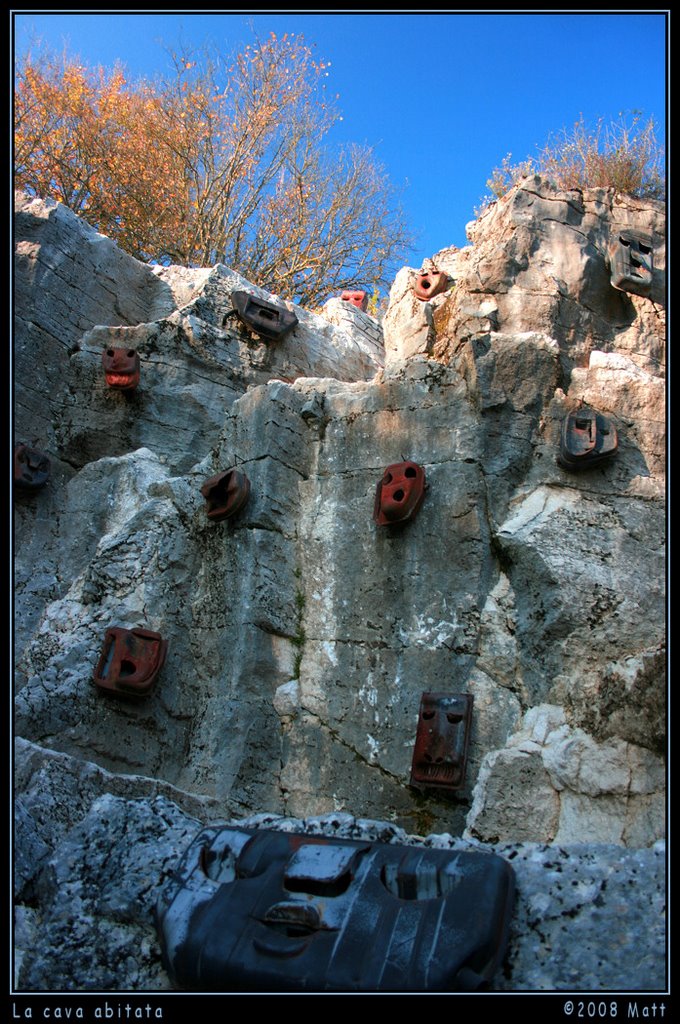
<point>130,353</point>
<point>110,353</point>
<point>409,471</point>
<point>453,717</point>
<point>387,479</point>
<point>427,715</point>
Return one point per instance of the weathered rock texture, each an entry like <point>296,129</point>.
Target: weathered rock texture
<point>539,262</point>
<point>301,636</point>
<point>579,912</point>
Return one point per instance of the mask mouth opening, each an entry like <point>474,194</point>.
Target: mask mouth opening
<point>218,498</point>
<point>266,314</point>
<point>225,494</point>
<point>445,772</point>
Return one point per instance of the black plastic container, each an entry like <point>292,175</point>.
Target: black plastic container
<point>272,911</point>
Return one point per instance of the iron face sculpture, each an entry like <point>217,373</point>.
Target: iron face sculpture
<point>226,494</point>
<point>121,368</point>
<point>31,468</point>
<point>271,322</point>
<point>442,740</point>
<point>631,262</point>
<point>399,493</point>
<point>130,661</point>
<point>263,911</point>
<point>358,299</point>
<point>430,283</point>
<point>588,438</point>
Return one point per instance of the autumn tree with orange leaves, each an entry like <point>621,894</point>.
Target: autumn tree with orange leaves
<point>216,163</point>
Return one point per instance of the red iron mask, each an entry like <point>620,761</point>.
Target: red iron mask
<point>631,262</point>
<point>358,299</point>
<point>121,368</point>
<point>399,494</point>
<point>442,739</point>
<point>130,661</point>
<point>588,438</point>
<point>226,494</point>
<point>429,284</point>
<point>31,468</point>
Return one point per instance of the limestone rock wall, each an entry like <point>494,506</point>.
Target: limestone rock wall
<point>301,635</point>
<point>539,262</point>
<point>77,294</point>
<point>579,918</point>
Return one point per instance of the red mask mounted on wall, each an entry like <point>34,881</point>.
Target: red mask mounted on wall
<point>121,368</point>
<point>358,299</point>
<point>31,468</point>
<point>442,739</point>
<point>588,438</point>
<point>130,661</point>
<point>631,262</point>
<point>399,494</point>
<point>226,494</point>
<point>429,284</point>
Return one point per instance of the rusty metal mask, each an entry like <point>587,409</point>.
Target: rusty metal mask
<point>121,368</point>
<point>226,494</point>
<point>587,439</point>
<point>631,262</point>
<point>271,322</point>
<point>399,494</point>
<point>442,739</point>
<point>31,468</point>
<point>358,299</point>
<point>130,661</point>
<point>429,284</point>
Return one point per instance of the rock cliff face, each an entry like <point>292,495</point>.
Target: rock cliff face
<point>301,634</point>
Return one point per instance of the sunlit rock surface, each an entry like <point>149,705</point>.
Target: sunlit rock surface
<point>301,635</point>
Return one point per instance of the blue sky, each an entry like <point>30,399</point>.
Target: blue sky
<point>441,97</point>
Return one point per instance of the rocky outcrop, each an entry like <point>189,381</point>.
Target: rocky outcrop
<point>100,886</point>
<point>301,635</point>
<point>77,294</point>
<point>540,261</point>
